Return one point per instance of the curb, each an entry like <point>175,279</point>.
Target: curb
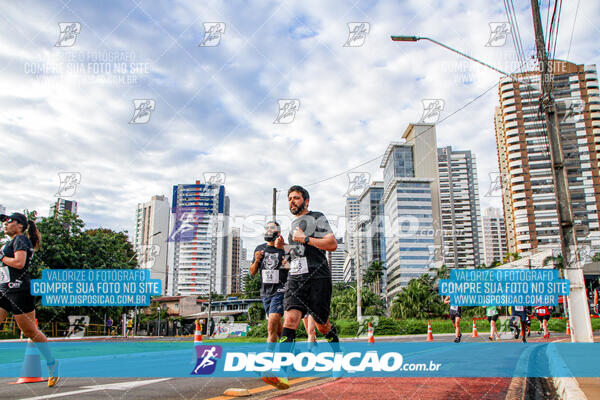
<point>566,386</point>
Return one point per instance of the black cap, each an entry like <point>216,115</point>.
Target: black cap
<point>20,218</point>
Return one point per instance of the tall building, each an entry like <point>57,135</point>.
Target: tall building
<point>372,229</point>
<point>412,206</point>
<point>199,239</point>
<point>461,215</point>
<point>61,205</point>
<point>336,261</point>
<point>494,236</point>
<point>150,237</point>
<point>524,159</point>
<point>234,261</point>
<point>244,268</point>
<point>352,211</point>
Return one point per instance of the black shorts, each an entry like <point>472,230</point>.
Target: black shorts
<point>17,302</point>
<point>492,318</point>
<point>543,317</point>
<point>521,314</point>
<point>309,297</point>
<point>454,315</point>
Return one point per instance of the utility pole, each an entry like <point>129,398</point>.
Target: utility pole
<point>579,316</point>
<point>208,324</point>
<point>274,203</point>
<point>358,277</point>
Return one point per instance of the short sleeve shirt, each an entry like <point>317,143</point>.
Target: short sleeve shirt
<point>19,278</point>
<point>313,224</point>
<point>273,277</point>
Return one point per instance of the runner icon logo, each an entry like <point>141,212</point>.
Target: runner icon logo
<point>207,359</point>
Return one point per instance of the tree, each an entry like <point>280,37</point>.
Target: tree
<point>67,245</point>
<point>373,275</point>
<point>443,272</point>
<point>343,302</point>
<point>418,300</point>
<point>252,286</point>
<point>256,313</point>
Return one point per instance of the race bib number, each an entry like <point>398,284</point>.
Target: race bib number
<point>519,308</point>
<point>270,276</point>
<point>454,308</point>
<point>299,266</point>
<point>4,275</point>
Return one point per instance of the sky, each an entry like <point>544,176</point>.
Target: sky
<point>73,73</point>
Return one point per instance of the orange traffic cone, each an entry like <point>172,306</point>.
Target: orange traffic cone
<point>371,338</point>
<point>32,365</point>
<point>475,329</point>
<point>429,332</point>
<point>198,333</point>
<point>568,328</point>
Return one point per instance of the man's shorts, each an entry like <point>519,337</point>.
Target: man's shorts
<point>17,302</point>
<point>454,314</point>
<point>521,314</point>
<point>543,317</point>
<point>273,304</point>
<point>492,318</point>
<point>312,296</point>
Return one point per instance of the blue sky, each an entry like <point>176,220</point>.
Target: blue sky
<point>215,106</point>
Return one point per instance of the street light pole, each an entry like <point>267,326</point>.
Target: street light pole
<point>358,277</point>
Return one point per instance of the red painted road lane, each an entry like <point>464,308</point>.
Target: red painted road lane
<point>406,388</point>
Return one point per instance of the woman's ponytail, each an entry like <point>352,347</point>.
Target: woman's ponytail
<point>34,235</point>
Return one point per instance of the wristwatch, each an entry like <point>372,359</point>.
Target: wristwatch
<point>306,239</point>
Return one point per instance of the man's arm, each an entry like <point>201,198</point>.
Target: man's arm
<point>327,242</point>
<point>18,261</point>
<point>258,255</point>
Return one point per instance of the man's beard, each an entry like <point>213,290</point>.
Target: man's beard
<point>298,210</point>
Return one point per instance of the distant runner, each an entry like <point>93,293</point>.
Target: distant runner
<point>519,311</point>
<point>492,316</point>
<point>543,315</point>
<point>455,314</point>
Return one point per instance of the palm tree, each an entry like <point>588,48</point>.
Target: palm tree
<point>373,274</point>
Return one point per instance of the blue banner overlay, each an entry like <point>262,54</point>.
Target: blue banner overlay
<point>504,287</point>
<point>95,287</point>
<point>390,359</point>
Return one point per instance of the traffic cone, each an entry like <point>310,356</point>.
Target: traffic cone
<point>475,329</point>
<point>568,328</point>
<point>371,339</point>
<point>198,333</point>
<point>32,366</point>
<point>429,332</point>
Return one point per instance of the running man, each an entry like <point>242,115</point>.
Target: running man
<point>492,316</point>
<point>309,280</point>
<point>543,315</point>
<point>271,263</point>
<point>519,311</point>
<point>455,317</point>
<point>15,295</point>
<point>309,327</point>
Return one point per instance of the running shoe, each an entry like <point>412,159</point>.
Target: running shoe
<point>53,377</point>
<point>491,338</point>
<point>547,336</point>
<point>457,339</point>
<point>524,340</point>
<point>279,383</point>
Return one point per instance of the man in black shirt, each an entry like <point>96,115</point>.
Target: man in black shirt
<point>309,280</point>
<point>271,263</point>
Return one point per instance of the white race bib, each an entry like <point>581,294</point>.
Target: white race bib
<point>270,276</point>
<point>299,266</point>
<point>4,275</point>
<point>518,308</point>
<point>454,308</point>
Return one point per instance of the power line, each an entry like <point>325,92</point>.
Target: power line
<point>573,30</point>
